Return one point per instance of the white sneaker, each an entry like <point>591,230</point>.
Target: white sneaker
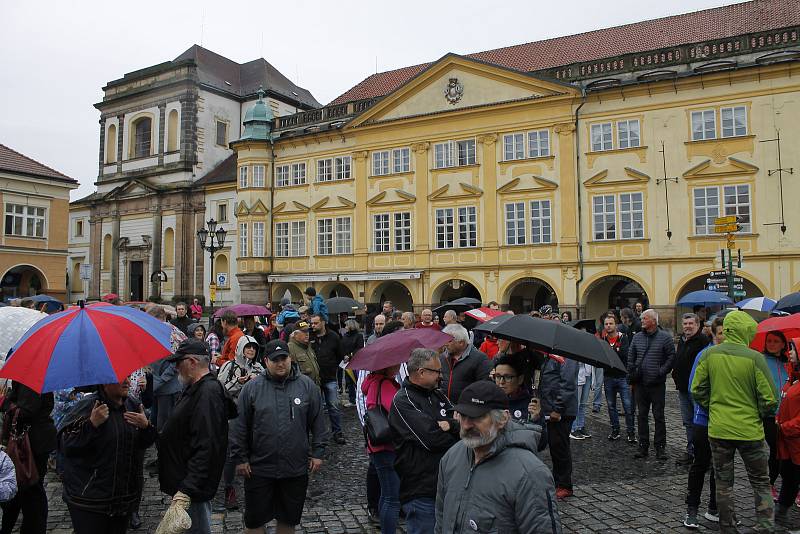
<point>346,403</point>
<point>711,516</point>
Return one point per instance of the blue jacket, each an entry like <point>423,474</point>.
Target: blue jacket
<point>779,374</point>
<point>700,415</point>
<point>318,307</point>
<point>288,312</point>
<point>558,387</point>
<point>650,357</point>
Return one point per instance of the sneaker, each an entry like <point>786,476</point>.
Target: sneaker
<point>691,519</point>
<point>576,434</point>
<point>339,438</point>
<point>230,498</point>
<point>641,453</point>
<point>631,437</point>
<point>563,493</point>
<point>614,436</point>
<point>596,409</point>
<point>346,403</point>
<point>774,493</point>
<point>712,515</point>
<point>584,433</point>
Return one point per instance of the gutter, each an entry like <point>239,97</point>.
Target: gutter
<point>579,279</point>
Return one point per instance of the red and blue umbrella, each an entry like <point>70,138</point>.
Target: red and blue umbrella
<point>87,345</point>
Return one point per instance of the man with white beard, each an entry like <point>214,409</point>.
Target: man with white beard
<point>492,480</point>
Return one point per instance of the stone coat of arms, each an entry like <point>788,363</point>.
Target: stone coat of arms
<point>454,91</point>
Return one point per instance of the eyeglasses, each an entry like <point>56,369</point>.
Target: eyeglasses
<point>504,378</point>
<point>437,371</point>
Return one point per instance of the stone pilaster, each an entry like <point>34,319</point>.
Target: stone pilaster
<point>162,121</point>
<point>121,155</point>
<point>155,253</point>
<point>102,161</point>
<point>115,252</point>
<point>95,255</point>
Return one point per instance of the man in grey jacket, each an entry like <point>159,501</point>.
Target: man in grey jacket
<point>492,481</point>
<point>270,443</point>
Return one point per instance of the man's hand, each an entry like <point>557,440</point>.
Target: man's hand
<point>142,382</point>
<point>99,414</point>
<point>243,379</point>
<point>444,425</point>
<point>555,416</point>
<point>534,409</point>
<point>243,470</point>
<point>137,419</point>
<point>314,465</point>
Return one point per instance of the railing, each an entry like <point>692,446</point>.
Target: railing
<point>336,111</point>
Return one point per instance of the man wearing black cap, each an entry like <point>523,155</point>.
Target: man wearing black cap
<point>270,441</point>
<point>492,480</point>
<point>194,441</point>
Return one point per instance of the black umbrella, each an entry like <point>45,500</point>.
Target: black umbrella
<point>790,303</point>
<point>587,324</point>
<point>556,338</point>
<point>458,305</point>
<point>343,305</point>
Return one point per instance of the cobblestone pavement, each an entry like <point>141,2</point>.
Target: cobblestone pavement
<point>613,492</point>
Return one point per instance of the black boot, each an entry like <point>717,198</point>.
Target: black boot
<point>136,521</point>
<point>642,452</point>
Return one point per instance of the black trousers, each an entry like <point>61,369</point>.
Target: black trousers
<point>85,522</point>
<point>771,437</point>
<point>31,501</point>
<point>790,482</point>
<point>560,452</point>
<point>697,472</point>
<point>655,396</point>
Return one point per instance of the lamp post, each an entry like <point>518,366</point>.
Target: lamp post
<point>215,243</point>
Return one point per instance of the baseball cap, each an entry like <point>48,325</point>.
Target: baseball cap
<point>303,309</point>
<point>189,347</point>
<point>276,349</point>
<point>480,397</point>
<point>301,325</point>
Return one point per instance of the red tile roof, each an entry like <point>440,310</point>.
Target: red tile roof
<point>709,24</point>
<point>14,162</point>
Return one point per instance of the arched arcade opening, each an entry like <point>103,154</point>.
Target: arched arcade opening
<point>454,289</point>
<point>613,292</point>
<point>528,294</point>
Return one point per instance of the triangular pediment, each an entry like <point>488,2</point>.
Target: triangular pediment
<point>391,197</point>
<point>629,177</point>
<point>335,203</point>
<point>241,209</point>
<point>527,184</point>
<point>131,188</point>
<point>731,167</point>
<point>459,190</point>
<point>291,207</point>
<point>259,208</point>
<point>456,82</point>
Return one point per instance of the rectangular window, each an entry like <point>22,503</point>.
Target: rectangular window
<point>298,173</point>
<point>601,137</point>
<point>604,214</point>
<point>258,239</point>
<point>242,240</point>
<point>222,133</point>
<point>282,239</point>
<point>631,215</point>
<point>258,176</point>
<point>541,226</point>
<point>515,223</point>
<point>402,231</point>
<point>466,152</point>
<point>298,238</point>
<point>342,166</point>
<point>628,133</point>
<point>324,170</point>
<point>467,227</point>
<point>380,163</point>
<point>443,155</point>
<point>282,176</point>
<point>513,146</point>
<point>737,202</point>
<point>380,236</point>
<point>343,235</point>
<point>25,221</point>
<point>325,237</point>
<point>538,144</point>
<point>734,121</point>
<point>401,160</point>
<point>222,212</point>
<point>242,177</point>
<point>78,228</point>
<point>704,125</point>
<point>706,209</point>
<point>444,228</point>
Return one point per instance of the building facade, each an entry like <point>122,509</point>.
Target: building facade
<point>33,245</point>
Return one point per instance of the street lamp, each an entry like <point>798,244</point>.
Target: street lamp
<point>216,242</point>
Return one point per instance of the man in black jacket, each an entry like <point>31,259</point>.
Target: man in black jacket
<point>617,383</point>
<point>182,321</point>
<point>327,346</point>
<point>193,443</point>
<point>689,346</point>
<point>462,363</point>
<point>649,362</point>
<point>424,429</point>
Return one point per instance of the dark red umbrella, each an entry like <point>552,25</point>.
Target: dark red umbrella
<point>395,348</point>
<point>789,325</point>
<point>244,310</point>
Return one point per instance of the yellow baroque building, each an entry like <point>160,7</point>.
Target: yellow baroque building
<point>514,177</point>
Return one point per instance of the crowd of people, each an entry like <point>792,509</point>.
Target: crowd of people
<point>453,436</point>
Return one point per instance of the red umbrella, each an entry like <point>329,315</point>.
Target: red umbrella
<point>789,325</point>
<point>395,348</point>
<point>484,314</point>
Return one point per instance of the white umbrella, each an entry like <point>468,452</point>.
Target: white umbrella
<point>15,322</point>
<point>762,304</point>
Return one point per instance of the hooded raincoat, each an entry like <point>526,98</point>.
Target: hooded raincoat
<point>239,367</point>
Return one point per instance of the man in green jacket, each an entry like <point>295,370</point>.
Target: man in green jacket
<point>734,384</point>
<point>302,353</point>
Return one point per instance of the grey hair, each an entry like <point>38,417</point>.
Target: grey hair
<point>499,416</point>
<point>156,311</point>
<point>351,325</point>
<point>450,313</point>
<point>409,314</point>
<point>419,358</point>
<point>458,332</point>
<point>692,316</point>
<point>652,313</point>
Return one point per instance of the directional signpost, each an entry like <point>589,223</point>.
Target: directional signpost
<point>726,281</point>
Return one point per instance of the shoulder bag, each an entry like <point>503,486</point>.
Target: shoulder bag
<point>19,449</point>
<point>376,422</point>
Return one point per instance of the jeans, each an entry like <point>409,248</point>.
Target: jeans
<point>597,387</point>
<point>583,399</point>
<point>373,488</point>
<point>614,386</point>
<point>330,392</point>
<point>560,452</point>
<point>31,501</point>
<point>420,515</point>
<point>647,396</point>
<point>390,490</point>
<point>687,415</point>
<point>200,512</point>
<point>697,472</point>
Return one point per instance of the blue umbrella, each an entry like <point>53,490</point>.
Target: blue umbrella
<point>704,298</point>
<point>789,304</point>
<point>762,304</point>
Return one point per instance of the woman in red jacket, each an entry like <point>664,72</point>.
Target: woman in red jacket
<point>788,422</point>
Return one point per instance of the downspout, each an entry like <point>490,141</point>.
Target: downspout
<point>271,221</point>
<point>579,279</point>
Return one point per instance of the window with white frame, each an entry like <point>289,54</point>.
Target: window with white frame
<point>298,238</point>
<point>467,226</point>
<point>704,125</point>
<point>604,214</point>
<point>282,239</point>
<point>242,240</point>
<point>444,228</point>
<point>298,173</point>
<point>513,146</point>
<point>737,202</point>
<point>515,223</point>
<point>601,137</point>
<point>325,170</point>
<point>222,212</point>
<point>381,232</point>
<point>538,144</point>
<point>342,167</point>
<point>79,228</point>
<point>454,153</point>
<point>734,121</point>
<point>258,239</point>
<point>222,133</point>
<point>391,231</point>
<point>714,201</point>
<point>325,237</point>
<point>343,235</point>
<point>541,225</point>
<point>25,221</point>
<point>631,215</point>
<point>628,133</point>
<point>401,160</point>
<point>402,231</point>
<point>242,177</point>
<point>380,163</point>
<point>282,176</point>
<point>258,176</point>
<point>465,152</point>
<point>618,216</point>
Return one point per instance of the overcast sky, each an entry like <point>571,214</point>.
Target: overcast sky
<point>56,56</point>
